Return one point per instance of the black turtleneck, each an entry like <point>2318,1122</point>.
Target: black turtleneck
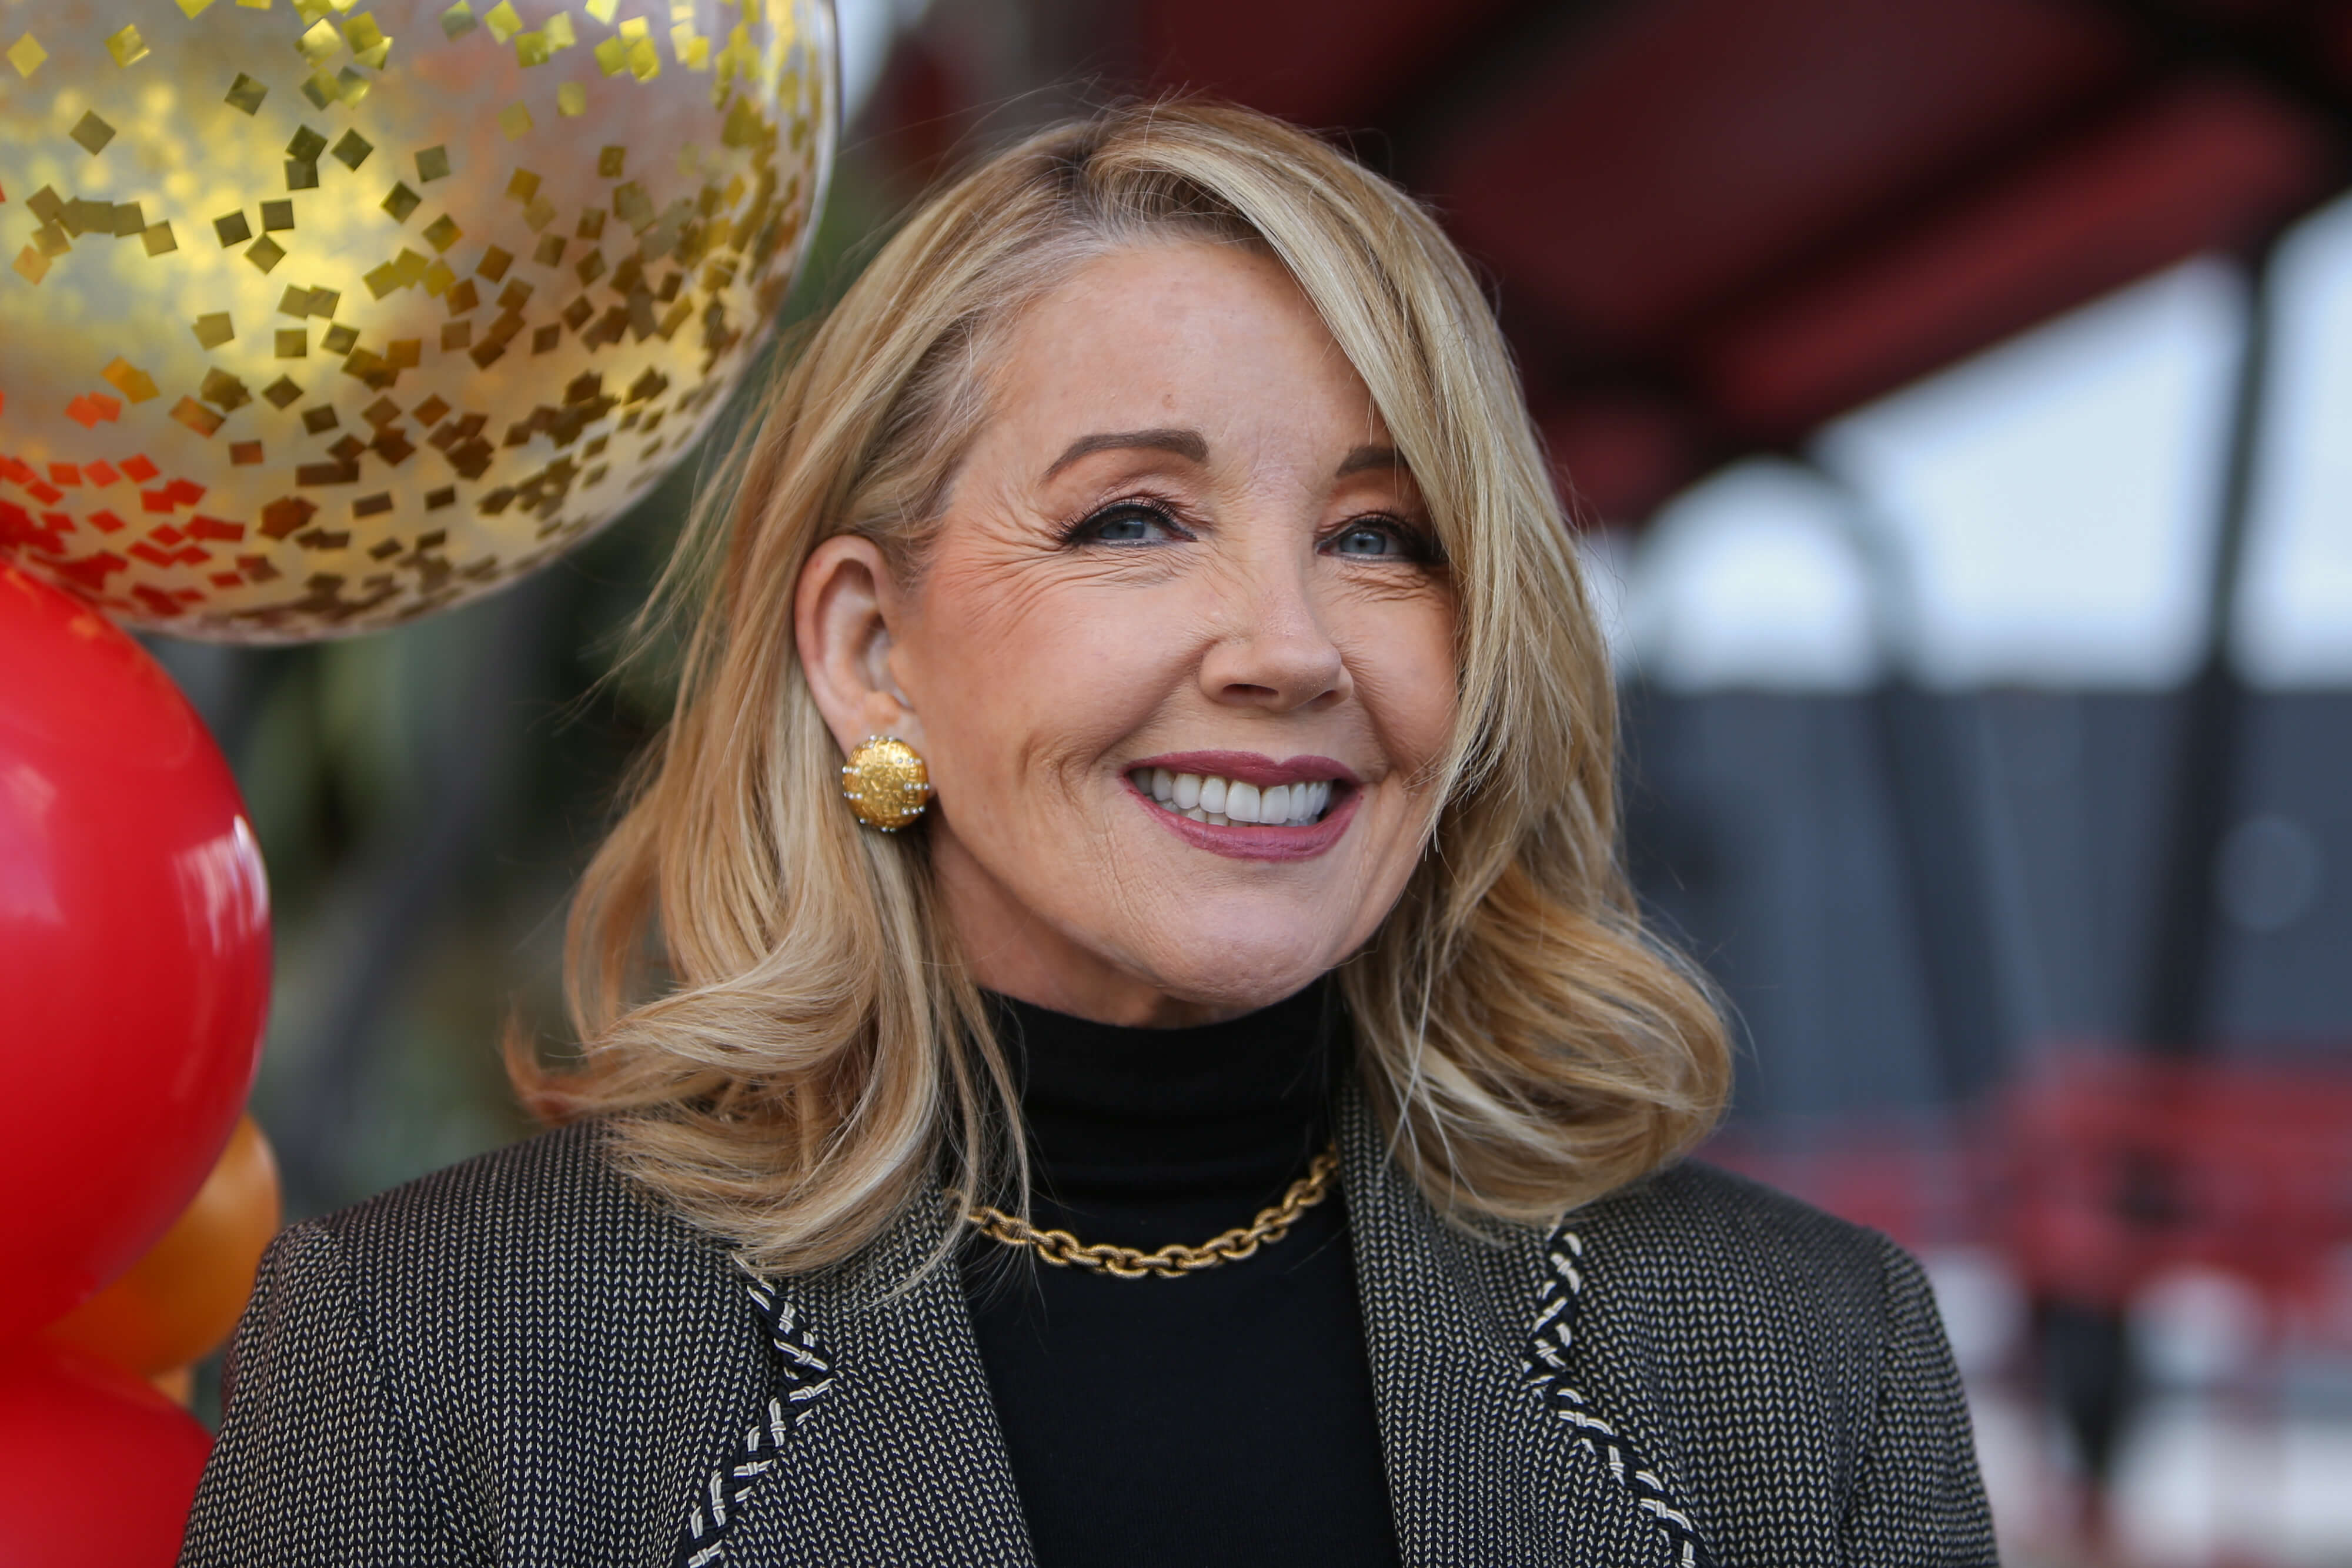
<point>1224,1418</point>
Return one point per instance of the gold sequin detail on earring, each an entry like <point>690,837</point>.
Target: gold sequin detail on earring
<point>886,783</point>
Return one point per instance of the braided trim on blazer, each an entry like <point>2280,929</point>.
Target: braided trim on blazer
<point>1548,1372</point>
<point>802,1375</point>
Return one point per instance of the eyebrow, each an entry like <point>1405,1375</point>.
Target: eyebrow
<point>1188,443</point>
<point>1192,445</point>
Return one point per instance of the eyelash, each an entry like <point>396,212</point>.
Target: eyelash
<point>1414,546</point>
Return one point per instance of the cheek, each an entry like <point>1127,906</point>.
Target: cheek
<point>1403,668</point>
<point>1015,680</point>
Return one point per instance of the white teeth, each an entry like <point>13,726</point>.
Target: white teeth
<point>1221,801</point>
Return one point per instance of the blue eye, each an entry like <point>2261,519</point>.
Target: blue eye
<point>1367,540</point>
<point>1127,523</point>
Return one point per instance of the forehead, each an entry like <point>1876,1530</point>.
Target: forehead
<point>1212,337</point>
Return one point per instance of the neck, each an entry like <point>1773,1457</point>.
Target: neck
<point>1236,1106</point>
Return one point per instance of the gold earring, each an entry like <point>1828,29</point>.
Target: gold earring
<point>886,783</point>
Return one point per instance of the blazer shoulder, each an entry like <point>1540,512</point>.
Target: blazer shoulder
<point>1694,1249</point>
<point>1703,1215</point>
<point>1794,1363</point>
<point>543,1218</point>
<point>1758,1337</point>
<point>485,1326</point>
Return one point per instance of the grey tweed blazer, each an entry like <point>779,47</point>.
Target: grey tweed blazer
<point>522,1360</point>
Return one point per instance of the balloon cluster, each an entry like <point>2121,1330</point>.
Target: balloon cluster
<point>134,956</point>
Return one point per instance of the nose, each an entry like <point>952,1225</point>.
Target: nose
<point>1273,651</point>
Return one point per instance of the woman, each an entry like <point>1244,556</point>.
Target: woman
<point>1163,490</point>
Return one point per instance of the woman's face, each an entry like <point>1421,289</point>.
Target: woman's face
<point>1179,659</point>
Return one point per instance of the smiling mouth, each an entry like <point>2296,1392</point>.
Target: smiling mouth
<point>1224,803</point>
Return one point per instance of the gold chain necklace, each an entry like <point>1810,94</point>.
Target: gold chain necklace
<point>1175,1259</point>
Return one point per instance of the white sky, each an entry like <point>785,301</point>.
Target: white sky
<point>2294,618</point>
<point>2040,514</point>
<point>1748,580</point>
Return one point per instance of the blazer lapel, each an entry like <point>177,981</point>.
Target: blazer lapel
<point>1506,1434</point>
<point>1482,1466</point>
<point>898,1458</point>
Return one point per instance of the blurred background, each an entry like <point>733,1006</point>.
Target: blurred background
<point>1955,401</point>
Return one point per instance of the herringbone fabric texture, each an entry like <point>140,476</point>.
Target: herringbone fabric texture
<point>522,1360</point>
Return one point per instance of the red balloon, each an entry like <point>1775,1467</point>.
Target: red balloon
<point>97,1469</point>
<point>134,952</point>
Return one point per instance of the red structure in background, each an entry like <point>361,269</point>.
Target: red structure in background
<point>2111,1172</point>
<point>1716,224</point>
<point>2118,1170</point>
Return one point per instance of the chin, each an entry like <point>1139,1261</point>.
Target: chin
<point>1233,976</point>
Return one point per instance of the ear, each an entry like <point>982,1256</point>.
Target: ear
<point>843,612</point>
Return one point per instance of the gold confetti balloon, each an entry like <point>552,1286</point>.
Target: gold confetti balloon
<point>321,315</point>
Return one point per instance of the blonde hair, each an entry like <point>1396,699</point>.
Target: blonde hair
<point>812,1054</point>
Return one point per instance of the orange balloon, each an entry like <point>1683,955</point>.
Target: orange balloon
<point>182,1298</point>
<point>178,1385</point>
